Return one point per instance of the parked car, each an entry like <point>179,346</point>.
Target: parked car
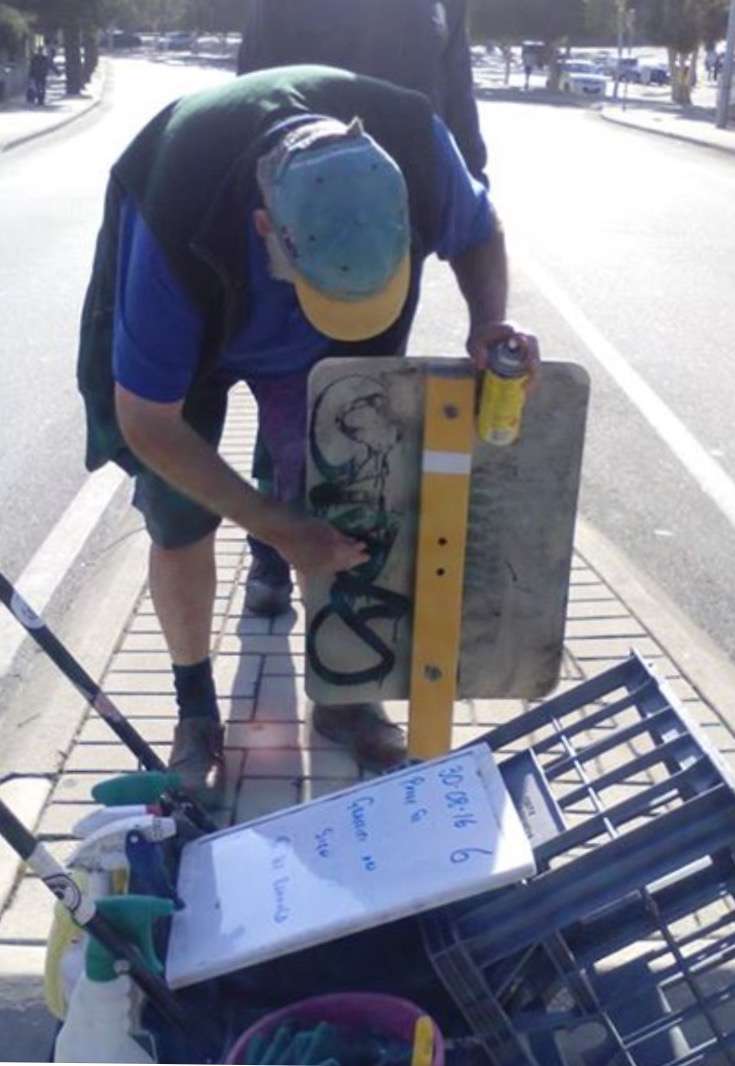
<point>121,39</point>
<point>601,60</point>
<point>582,77</point>
<point>178,40</point>
<point>654,74</point>
<point>533,55</point>
<point>624,68</point>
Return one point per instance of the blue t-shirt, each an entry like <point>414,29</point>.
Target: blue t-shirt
<point>158,331</point>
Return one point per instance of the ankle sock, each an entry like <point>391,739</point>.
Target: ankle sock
<point>195,692</point>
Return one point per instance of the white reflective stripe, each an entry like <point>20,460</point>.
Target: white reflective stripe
<point>447,462</point>
<point>62,884</point>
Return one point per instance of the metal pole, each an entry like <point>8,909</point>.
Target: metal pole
<point>726,74</point>
<point>82,909</point>
<point>621,25</point>
<point>90,690</point>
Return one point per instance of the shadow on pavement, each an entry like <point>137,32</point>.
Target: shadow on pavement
<point>667,108</point>
<point>27,1027</point>
<point>515,94</point>
<point>55,99</point>
<point>692,113</point>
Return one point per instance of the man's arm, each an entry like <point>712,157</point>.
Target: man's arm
<point>482,275</point>
<point>164,442</point>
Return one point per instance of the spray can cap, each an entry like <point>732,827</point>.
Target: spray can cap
<point>133,918</point>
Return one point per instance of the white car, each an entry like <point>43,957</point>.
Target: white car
<point>582,78</point>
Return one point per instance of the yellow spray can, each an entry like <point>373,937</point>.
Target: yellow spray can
<point>503,394</point>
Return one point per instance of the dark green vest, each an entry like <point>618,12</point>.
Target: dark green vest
<point>191,172</point>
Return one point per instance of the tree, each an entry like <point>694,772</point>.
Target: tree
<point>79,22</point>
<point>15,28</point>
<point>601,21</point>
<point>714,21</point>
<point>554,22</point>
<point>681,26</point>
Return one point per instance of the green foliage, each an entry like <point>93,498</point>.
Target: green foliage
<point>544,20</point>
<point>682,25</point>
<point>713,21</point>
<point>14,28</point>
<point>601,20</point>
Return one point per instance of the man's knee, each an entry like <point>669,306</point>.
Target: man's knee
<point>183,554</point>
<point>173,521</point>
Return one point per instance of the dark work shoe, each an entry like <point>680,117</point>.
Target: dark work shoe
<point>197,756</point>
<point>365,730</point>
<point>268,586</point>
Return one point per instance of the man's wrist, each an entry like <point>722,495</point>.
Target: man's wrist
<point>490,323</point>
<point>266,518</point>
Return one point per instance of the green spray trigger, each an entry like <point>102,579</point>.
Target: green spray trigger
<point>145,787</point>
<point>133,918</point>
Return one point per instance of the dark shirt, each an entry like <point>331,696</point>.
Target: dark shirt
<point>417,44</point>
<point>39,66</point>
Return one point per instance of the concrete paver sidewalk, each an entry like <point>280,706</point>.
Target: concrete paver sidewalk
<point>695,125</point>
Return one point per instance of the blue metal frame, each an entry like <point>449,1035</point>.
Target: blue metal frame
<point>617,950</point>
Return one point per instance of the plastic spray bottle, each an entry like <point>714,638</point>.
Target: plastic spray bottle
<point>103,1020</point>
<point>101,863</point>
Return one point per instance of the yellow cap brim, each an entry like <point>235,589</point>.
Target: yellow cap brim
<point>355,320</point>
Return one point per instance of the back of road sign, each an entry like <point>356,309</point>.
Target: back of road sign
<point>384,849</point>
<point>363,473</point>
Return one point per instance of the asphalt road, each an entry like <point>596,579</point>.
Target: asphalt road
<point>633,230</point>
<point>51,195</point>
<point>625,239</point>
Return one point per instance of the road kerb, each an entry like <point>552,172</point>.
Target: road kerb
<point>95,101</point>
<point>663,131</point>
<point>41,724</point>
<point>706,667</point>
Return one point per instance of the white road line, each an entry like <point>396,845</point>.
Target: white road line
<point>705,470</point>
<point>46,570</point>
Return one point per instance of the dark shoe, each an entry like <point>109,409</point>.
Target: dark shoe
<point>197,756</point>
<point>268,586</point>
<point>365,730</point>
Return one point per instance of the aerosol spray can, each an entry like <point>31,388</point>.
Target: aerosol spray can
<point>503,394</point>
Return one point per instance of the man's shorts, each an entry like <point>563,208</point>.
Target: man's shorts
<point>175,521</point>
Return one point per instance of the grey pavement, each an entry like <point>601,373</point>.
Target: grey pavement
<point>273,757</point>
<point>694,124</point>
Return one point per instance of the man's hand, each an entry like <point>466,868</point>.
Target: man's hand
<point>315,547</point>
<point>167,444</point>
<point>485,334</point>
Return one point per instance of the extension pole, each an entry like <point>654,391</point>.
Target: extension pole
<point>74,672</point>
<point>84,913</point>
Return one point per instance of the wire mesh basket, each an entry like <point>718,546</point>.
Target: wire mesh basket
<point>621,950</point>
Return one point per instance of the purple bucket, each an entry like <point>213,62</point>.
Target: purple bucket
<point>387,1015</point>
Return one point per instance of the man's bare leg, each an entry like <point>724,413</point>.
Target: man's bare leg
<point>183,583</point>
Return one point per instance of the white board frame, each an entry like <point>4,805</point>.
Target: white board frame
<point>384,849</point>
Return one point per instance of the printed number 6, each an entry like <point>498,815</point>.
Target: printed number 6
<point>463,854</point>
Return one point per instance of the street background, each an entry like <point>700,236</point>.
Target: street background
<point>621,248</point>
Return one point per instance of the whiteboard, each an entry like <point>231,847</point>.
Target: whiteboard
<point>384,849</point>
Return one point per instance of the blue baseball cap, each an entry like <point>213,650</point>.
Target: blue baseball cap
<point>338,205</point>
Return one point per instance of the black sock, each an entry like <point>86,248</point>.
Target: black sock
<point>195,693</point>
